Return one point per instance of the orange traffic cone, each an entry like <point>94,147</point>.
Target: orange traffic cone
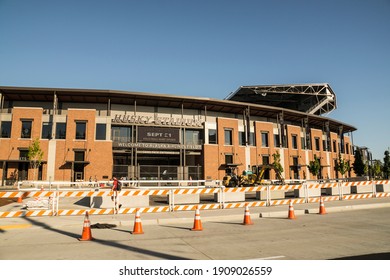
<point>247,216</point>
<point>87,234</point>
<point>291,214</point>
<point>137,223</point>
<point>20,199</point>
<point>197,221</point>
<point>322,207</point>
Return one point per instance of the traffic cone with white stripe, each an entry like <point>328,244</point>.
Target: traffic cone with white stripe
<point>322,207</point>
<point>291,213</point>
<point>137,223</point>
<point>87,234</point>
<point>247,216</point>
<point>197,222</point>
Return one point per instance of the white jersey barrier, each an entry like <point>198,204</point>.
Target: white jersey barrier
<point>171,196</point>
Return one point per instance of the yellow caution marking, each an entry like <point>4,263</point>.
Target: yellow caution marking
<point>20,226</point>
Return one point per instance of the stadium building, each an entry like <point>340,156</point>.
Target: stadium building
<point>96,134</point>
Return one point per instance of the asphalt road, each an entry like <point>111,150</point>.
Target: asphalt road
<point>357,234</point>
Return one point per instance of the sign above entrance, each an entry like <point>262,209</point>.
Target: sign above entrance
<point>150,134</point>
<point>161,121</point>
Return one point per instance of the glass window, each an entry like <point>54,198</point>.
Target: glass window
<point>121,134</point>
<point>347,148</point>
<point>228,137</point>
<point>79,155</point>
<point>46,130</point>
<point>264,139</point>
<point>193,137</point>
<point>276,140</point>
<point>6,129</point>
<point>294,140</point>
<point>241,138</point>
<point>334,146</point>
<point>303,143</point>
<point>26,129</point>
<point>213,136</point>
<point>100,131</point>
<point>228,158</point>
<point>60,130</point>
<point>81,128</point>
<point>23,154</point>
<point>324,145</point>
<point>252,139</point>
<point>317,143</point>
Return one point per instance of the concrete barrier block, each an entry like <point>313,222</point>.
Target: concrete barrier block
<point>230,196</point>
<point>335,191</point>
<point>278,194</point>
<point>311,192</point>
<point>185,198</point>
<point>361,189</point>
<point>126,201</point>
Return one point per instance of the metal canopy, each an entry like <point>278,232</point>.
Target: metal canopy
<point>316,99</point>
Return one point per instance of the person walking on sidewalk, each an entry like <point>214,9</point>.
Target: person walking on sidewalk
<point>115,188</point>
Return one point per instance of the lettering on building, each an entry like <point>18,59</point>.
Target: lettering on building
<point>161,121</point>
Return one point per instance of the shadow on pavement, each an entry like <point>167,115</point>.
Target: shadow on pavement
<point>107,242</point>
<point>374,256</point>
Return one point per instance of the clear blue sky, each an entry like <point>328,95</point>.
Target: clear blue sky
<point>207,48</point>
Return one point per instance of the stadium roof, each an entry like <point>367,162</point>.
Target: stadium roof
<point>316,99</point>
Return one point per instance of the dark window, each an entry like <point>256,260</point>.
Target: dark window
<point>264,139</point>
<point>79,155</point>
<point>334,146</point>
<point>317,143</point>
<point>241,138</point>
<point>303,143</point>
<point>23,154</point>
<point>100,131</point>
<point>213,136</point>
<point>276,140</point>
<point>81,128</point>
<point>60,130</point>
<point>26,129</point>
<point>46,130</point>
<point>347,148</point>
<point>324,147</point>
<point>252,139</point>
<point>6,129</point>
<point>294,141</point>
<point>228,137</point>
<point>228,159</point>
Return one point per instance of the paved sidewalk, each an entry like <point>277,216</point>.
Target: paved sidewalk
<point>236,214</point>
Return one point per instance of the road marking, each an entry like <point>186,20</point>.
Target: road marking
<point>7,227</point>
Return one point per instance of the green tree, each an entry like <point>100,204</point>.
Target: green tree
<point>342,166</point>
<point>358,166</point>
<point>314,166</point>
<point>376,169</point>
<point>386,165</point>
<point>35,155</point>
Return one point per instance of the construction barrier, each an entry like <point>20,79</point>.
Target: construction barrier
<point>223,197</point>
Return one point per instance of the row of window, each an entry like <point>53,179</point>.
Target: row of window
<point>60,130</point>
<point>305,144</point>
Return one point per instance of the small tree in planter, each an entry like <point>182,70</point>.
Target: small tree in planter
<point>314,166</point>
<point>342,166</point>
<point>35,155</point>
